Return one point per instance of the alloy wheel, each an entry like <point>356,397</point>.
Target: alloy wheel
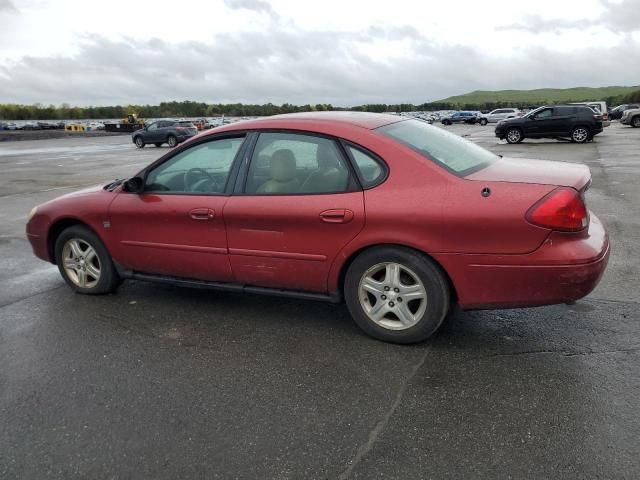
<point>81,263</point>
<point>514,135</point>
<point>580,134</point>
<point>392,296</point>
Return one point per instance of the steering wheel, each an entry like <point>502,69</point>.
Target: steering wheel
<point>194,181</point>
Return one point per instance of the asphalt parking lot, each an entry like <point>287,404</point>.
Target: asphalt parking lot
<point>166,382</point>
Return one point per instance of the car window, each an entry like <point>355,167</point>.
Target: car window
<point>545,113</point>
<point>370,169</point>
<point>292,164</point>
<point>153,126</point>
<point>186,124</point>
<point>562,111</point>
<point>202,168</point>
<point>451,151</point>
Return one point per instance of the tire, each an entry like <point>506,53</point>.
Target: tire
<point>514,135</point>
<point>446,122</point>
<point>580,134</point>
<point>139,142</point>
<point>74,267</point>
<point>370,280</point>
<point>635,121</point>
<point>483,121</point>
<point>158,144</point>
<point>172,141</point>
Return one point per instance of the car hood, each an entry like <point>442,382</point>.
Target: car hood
<point>544,172</point>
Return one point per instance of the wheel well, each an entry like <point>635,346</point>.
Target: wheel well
<point>354,255</point>
<point>56,229</point>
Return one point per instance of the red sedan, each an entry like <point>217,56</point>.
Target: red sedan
<point>398,218</point>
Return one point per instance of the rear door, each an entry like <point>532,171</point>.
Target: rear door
<point>297,205</point>
<point>175,226</point>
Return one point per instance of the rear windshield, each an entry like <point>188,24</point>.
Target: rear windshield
<point>451,151</point>
<point>186,124</point>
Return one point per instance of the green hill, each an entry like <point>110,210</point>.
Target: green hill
<point>537,97</point>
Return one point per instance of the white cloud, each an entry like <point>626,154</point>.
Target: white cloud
<point>299,52</point>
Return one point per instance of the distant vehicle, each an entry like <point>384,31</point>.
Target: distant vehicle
<point>303,205</point>
<point>171,132</point>
<point>616,113</point>
<point>631,117</point>
<point>11,126</point>
<point>576,122</point>
<point>129,124</point>
<point>498,114</point>
<point>600,107</point>
<point>48,125</point>
<point>31,126</point>
<point>460,117</point>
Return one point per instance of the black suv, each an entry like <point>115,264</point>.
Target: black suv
<point>576,122</point>
<point>171,132</point>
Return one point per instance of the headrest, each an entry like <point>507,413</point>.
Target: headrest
<point>283,165</point>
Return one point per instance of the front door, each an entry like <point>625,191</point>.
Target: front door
<point>175,227</point>
<point>300,205</point>
<point>541,123</point>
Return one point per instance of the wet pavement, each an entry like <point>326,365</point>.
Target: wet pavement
<point>167,382</point>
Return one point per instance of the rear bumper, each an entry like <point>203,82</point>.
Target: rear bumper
<point>565,268</point>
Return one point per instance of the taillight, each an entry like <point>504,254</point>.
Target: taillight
<point>605,116</point>
<point>597,117</point>
<point>563,209</point>
<point>180,129</point>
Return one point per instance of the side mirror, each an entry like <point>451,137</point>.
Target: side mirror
<point>134,185</point>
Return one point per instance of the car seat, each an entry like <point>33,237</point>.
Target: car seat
<point>283,172</point>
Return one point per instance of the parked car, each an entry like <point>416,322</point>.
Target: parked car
<point>332,206</point>
<point>631,117</point>
<point>576,122</point>
<point>171,132</point>
<point>616,113</point>
<point>498,114</point>
<point>459,117</point>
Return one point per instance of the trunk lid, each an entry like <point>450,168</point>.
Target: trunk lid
<point>543,172</point>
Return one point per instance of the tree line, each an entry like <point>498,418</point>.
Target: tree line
<point>200,109</point>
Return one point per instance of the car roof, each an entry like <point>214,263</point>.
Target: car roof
<point>365,120</point>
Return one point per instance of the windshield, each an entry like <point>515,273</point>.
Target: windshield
<point>453,152</point>
<point>533,112</point>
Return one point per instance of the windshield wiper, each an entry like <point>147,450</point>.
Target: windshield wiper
<point>112,186</point>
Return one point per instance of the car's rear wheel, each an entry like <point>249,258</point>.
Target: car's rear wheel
<point>514,135</point>
<point>172,141</point>
<point>396,294</point>
<point>635,122</point>
<point>483,121</point>
<point>139,142</point>
<point>84,262</point>
<point>158,144</point>
<point>446,122</point>
<point>580,134</point>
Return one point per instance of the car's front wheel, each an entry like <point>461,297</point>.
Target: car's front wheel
<point>139,142</point>
<point>635,121</point>
<point>580,134</point>
<point>514,135</point>
<point>396,294</point>
<point>84,262</point>
<point>483,121</point>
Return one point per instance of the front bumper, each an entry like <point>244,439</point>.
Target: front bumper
<point>565,268</point>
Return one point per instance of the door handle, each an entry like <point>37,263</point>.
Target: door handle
<point>202,214</point>
<point>338,215</point>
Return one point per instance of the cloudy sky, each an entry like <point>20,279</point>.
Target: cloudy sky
<point>345,52</point>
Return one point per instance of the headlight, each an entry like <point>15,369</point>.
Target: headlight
<point>32,213</point>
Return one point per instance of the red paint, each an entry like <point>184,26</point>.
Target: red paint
<point>494,255</point>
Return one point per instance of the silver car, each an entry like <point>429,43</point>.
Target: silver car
<point>631,117</point>
<point>498,114</point>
